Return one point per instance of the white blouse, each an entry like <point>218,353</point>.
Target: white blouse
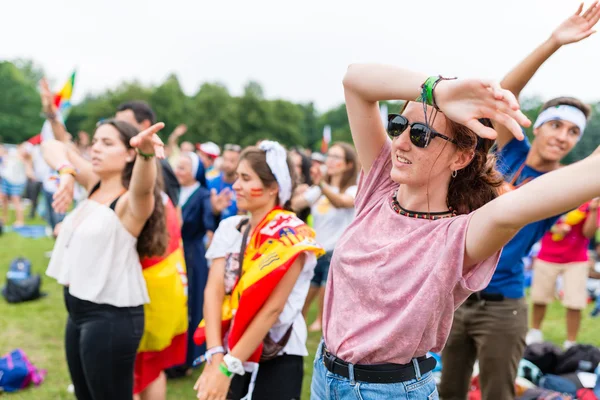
<point>97,258</point>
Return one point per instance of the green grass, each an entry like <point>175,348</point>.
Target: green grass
<point>38,328</point>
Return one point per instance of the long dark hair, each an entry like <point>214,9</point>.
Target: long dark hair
<point>153,239</point>
<point>257,159</point>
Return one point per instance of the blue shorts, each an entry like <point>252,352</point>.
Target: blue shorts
<point>11,189</point>
<point>322,270</point>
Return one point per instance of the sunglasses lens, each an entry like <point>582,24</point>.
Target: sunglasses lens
<point>419,135</point>
<point>397,125</point>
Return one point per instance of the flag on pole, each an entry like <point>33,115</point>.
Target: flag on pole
<point>326,139</point>
<point>62,99</point>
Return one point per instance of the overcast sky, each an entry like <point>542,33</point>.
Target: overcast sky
<point>297,50</point>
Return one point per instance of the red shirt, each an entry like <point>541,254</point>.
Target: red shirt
<point>573,246</point>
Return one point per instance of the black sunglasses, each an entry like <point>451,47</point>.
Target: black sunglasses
<point>420,134</point>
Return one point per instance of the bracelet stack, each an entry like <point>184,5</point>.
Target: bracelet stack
<point>67,169</point>
<point>428,90</point>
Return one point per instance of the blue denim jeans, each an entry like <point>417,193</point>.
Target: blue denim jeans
<point>328,386</point>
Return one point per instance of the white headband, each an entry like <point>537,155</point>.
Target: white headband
<point>277,162</point>
<point>562,112</point>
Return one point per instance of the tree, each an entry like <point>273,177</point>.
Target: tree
<point>20,106</point>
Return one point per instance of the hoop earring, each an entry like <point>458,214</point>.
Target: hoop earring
<point>454,173</point>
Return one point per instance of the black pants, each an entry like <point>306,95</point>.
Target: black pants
<point>101,344</point>
<point>280,378</point>
<point>34,188</point>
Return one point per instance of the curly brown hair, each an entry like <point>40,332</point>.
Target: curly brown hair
<point>154,238</point>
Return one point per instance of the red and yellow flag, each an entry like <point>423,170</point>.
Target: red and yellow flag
<point>274,246</point>
<point>62,99</point>
<point>164,342</point>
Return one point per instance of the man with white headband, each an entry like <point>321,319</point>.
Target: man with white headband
<point>492,325</point>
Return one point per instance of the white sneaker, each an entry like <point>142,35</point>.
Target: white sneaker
<point>534,336</point>
<point>568,344</point>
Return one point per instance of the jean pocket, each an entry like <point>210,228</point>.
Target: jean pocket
<point>423,386</point>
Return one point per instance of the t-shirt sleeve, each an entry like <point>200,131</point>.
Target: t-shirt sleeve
<point>312,194</point>
<point>374,184</point>
<point>224,238</point>
<point>477,277</point>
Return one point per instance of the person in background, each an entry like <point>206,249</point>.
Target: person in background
<point>83,144</point>
<point>141,115</point>
<point>221,185</point>
<point>14,180</point>
<point>492,325</point>
<point>302,167</point>
<point>261,269</point>
<point>331,200</point>
<point>564,252</point>
<point>172,149</point>
<point>208,153</point>
<point>198,221</point>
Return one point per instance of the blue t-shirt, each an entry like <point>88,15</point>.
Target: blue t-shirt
<point>508,279</point>
<point>219,184</point>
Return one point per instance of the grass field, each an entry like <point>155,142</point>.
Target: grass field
<point>38,328</point>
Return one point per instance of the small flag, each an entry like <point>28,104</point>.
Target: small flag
<point>62,99</point>
<point>326,139</point>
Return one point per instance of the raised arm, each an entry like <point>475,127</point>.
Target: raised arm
<point>172,142</point>
<point>577,27</point>
<point>464,101</point>
<point>140,201</point>
<point>494,224</point>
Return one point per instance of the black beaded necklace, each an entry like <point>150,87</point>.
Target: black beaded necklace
<point>419,215</point>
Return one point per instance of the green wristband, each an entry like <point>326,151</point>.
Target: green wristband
<point>427,90</point>
<point>224,370</point>
<point>145,156</point>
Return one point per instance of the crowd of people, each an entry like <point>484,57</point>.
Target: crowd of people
<point>411,239</point>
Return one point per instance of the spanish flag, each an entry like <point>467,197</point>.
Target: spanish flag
<point>164,342</point>
<point>274,246</point>
<point>62,99</point>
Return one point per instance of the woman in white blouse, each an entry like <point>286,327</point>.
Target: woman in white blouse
<point>97,253</point>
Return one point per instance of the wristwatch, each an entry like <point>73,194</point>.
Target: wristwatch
<point>234,365</point>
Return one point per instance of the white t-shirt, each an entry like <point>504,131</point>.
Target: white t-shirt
<point>13,168</point>
<point>329,222</point>
<point>226,243</point>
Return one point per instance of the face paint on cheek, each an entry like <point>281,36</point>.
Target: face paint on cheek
<point>256,192</point>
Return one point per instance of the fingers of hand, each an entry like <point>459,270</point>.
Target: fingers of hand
<point>510,123</point>
<point>480,129</point>
<point>515,114</point>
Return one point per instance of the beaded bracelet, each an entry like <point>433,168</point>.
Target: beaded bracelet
<point>145,156</point>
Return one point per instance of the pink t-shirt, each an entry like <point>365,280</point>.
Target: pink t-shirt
<point>572,247</point>
<point>395,281</point>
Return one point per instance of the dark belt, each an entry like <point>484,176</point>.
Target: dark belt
<point>481,296</point>
<point>379,373</point>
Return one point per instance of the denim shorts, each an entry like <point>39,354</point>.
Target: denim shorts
<point>11,189</point>
<point>328,386</point>
<point>322,270</point>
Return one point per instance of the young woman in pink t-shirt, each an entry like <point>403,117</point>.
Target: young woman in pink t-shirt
<point>428,230</point>
<point>564,252</point>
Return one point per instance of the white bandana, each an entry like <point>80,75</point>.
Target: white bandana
<point>195,162</point>
<point>562,112</point>
<point>277,162</point>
